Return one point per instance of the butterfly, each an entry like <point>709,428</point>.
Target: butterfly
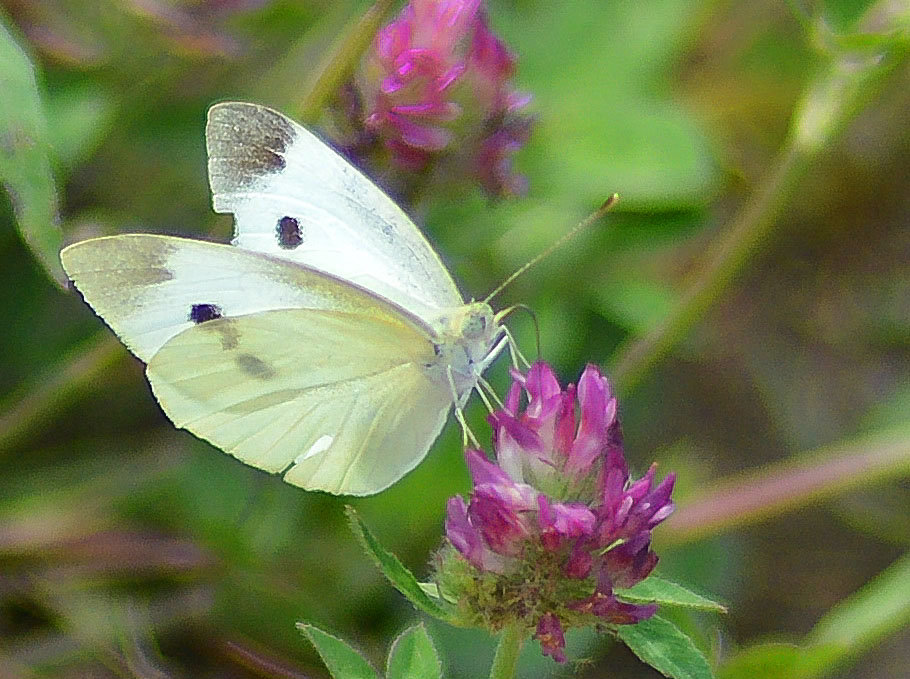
<point>327,343</point>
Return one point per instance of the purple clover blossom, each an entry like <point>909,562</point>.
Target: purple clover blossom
<point>556,522</point>
<point>551,637</point>
<point>436,87</point>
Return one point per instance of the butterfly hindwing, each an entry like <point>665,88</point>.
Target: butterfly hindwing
<point>337,401</point>
<point>293,197</point>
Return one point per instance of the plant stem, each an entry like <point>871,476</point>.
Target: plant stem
<point>726,256</point>
<point>506,658</point>
<point>33,404</point>
<point>775,489</point>
<point>341,60</point>
<point>870,615</point>
<point>830,101</point>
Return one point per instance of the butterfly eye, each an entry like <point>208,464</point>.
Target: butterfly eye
<point>475,325</point>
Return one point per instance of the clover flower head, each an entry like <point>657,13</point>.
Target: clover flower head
<point>555,524</point>
<point>436,87</point>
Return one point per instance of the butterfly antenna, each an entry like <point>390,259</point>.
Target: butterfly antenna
<point>584,224</point>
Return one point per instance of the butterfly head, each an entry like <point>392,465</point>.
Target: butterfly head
<point>475,322</point>
<point>469,338</point>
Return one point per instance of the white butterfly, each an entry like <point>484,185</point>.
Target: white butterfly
<point>328,343</point>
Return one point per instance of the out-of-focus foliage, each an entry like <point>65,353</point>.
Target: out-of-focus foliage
<point>130,549</point>
<point>25,170</point>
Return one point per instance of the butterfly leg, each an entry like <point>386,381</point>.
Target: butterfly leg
<point>481,382</point>
<point>515,353</point>
<point>466,433</point>
<point>517,357</point>
<point>502,343</point>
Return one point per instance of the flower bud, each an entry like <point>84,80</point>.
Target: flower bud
<point>435,90</point>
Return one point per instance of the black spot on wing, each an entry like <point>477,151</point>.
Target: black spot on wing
<point>254,367</point>
<point>289,234</point>
<point>201,313</point>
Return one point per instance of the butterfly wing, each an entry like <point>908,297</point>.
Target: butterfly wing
<point>149,288</point>
<point>294,197</point>
<point>339,401</point>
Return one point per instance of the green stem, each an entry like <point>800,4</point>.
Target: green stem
<point>341,60</point>
<point>830,101</point>
<point>506,658</point>
<point>867,617</point>
<point>725,258</point>
<point>33,404</point>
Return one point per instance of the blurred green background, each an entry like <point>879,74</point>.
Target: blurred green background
<point>130,549</point>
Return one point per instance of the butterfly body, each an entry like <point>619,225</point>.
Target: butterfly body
<point>468,338</point>
<point>328,343</point>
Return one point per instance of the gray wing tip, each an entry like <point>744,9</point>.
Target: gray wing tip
<point>246,141</point>
<point>219,113</point>
<point>216,110</point>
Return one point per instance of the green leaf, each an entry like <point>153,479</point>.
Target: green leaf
<point>433,591</point>
<point>772,661</point>
<point>413,656</point>
<point>25,169</point>
<point>79,117</point>
<point>870,615</point>
<point>664,647</point>
<point>632,300</point>
<point>658,156</point>
<point>400,577</point>
<point>624,134</point>
<point>657,590</point>
<point>342,660</point>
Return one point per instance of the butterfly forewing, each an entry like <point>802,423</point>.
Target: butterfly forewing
<point>294,197</point>
<point>149,288</point>
<point>338,401</point>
